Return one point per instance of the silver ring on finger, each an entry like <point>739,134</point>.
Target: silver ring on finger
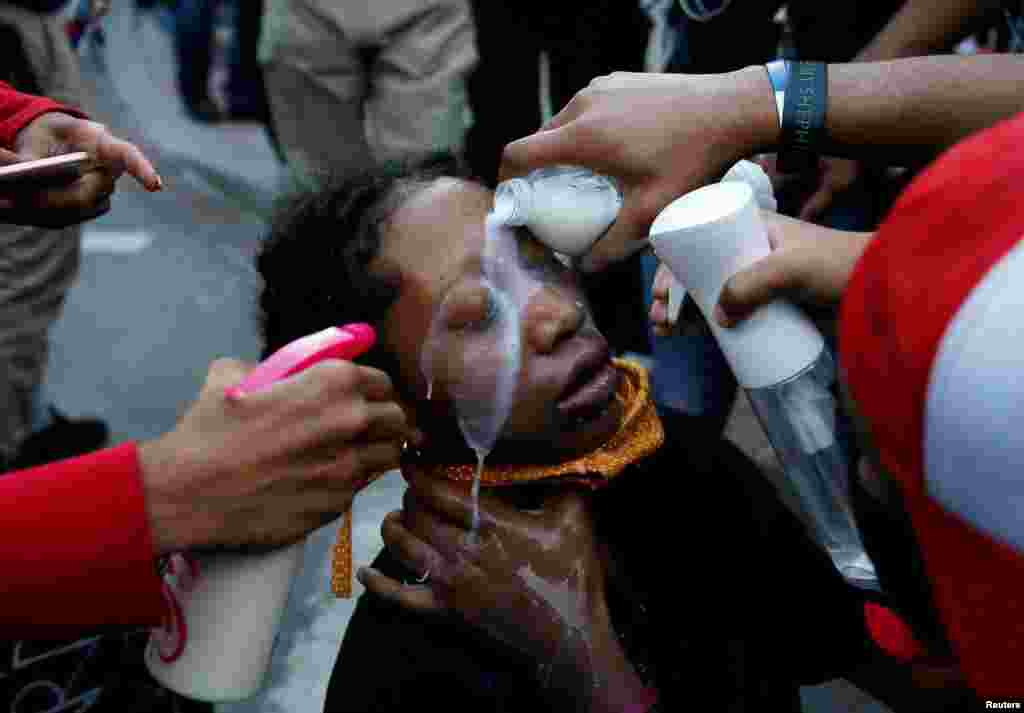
<point>421,580</point>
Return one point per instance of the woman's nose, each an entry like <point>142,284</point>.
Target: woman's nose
<point>552,317</point>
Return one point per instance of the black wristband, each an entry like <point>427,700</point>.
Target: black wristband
<point>803,116</point>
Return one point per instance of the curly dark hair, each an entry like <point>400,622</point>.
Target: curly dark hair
<point>315,260</point>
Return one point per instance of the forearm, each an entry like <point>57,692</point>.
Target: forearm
<point>900,111</point>
<point>910,109</point>
<point>592,674</point>
<point>76,551</point>
<point>923,27</point>
<point>617,688</point>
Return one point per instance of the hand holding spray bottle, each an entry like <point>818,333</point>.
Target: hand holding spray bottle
<point>224,609</point>
<point>777,354</point>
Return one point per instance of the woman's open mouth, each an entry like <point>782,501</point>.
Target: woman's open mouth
<point>590,392</point>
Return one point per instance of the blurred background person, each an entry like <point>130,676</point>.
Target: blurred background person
<point>37,265</point>
<point>533,58</point>
<point>352,82</point>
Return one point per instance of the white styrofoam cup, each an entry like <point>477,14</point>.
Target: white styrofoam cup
<point>707,236</point>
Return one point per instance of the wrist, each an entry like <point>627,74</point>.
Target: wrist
<point>756,129</point>
<point>38,130</point>
<point>172,523</point>
<point>617,688</point>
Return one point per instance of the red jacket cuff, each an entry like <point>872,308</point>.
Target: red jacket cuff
<point>75,547</point>
<point>17,110</point>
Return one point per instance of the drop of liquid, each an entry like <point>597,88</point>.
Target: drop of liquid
<point>481,454</point>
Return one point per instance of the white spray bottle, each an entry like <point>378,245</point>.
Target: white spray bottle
<point>224,609</point>
<point>778,356</point>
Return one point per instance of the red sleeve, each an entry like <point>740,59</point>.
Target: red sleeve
<point>17,109</point>
<point>75,548</point>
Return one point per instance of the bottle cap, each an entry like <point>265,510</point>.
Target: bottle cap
<point>512,202</point>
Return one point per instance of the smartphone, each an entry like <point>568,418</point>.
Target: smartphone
<point>54,170</point>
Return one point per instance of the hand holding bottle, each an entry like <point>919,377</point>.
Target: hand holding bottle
<point>659,135</point>
<point>808,263</point>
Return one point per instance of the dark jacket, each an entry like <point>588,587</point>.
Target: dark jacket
<point>720,598</point>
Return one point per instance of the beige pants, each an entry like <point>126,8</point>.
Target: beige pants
<point>353,82</point>
<point>37,266</point>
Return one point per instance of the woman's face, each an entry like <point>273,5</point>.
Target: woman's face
<point>457,321</point>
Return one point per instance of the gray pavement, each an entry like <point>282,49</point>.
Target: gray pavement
<point>167,285</point>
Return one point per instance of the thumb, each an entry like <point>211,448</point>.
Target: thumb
<point>755,286</point>
<point>543,148</point>
<point>224,373</point>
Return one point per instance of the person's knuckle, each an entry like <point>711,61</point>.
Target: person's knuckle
<point>225,367</point>
<point>648,204</point>
<point>348,465</point>
<point>391,417</point>
<point>391,456</point>
<point>320,392</point>
<point>340,376</point>
<point>511,156</point>
<point>347,417</point>
<point>354,416</point>
<point>583,99</point>
<point>573,512</point>
<point>367,377</point>
<point>389,529</point>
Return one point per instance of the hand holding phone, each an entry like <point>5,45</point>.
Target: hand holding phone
<point>45,172</point>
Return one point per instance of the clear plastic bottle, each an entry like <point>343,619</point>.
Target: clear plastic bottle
<point>568,208</point>
<point>778,356</point>
<point>799,418</point>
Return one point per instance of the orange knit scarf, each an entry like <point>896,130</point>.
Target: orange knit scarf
<point>639,435</point>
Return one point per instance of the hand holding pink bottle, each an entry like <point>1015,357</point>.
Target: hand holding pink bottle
<point>225,608</point>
